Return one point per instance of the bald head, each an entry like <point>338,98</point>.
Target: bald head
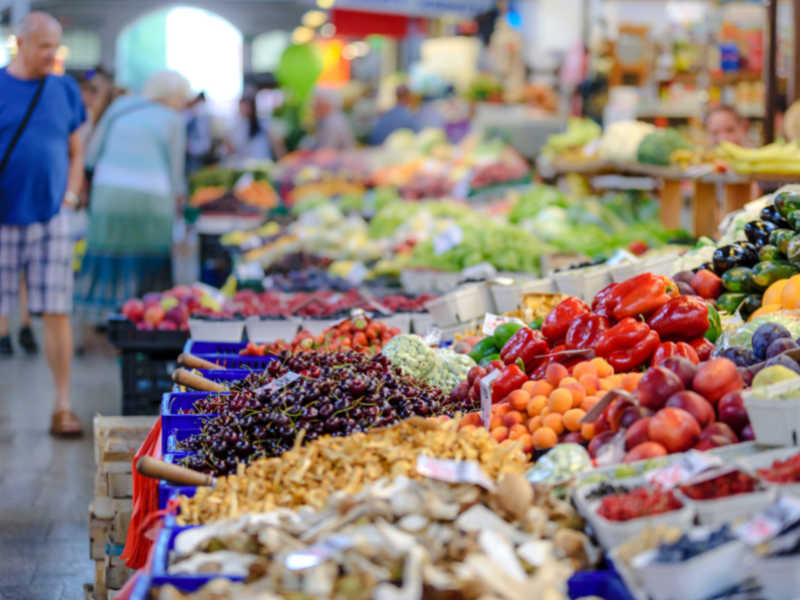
<point>38,38</point>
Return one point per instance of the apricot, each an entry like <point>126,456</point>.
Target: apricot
<point>572,419</point>
<point>534,424</point>
<point>555,422</point>
<point>536,405</point>
<point>501,409</point>
<point>555,373</point>
<point>497,421</point>
<point>587,430</point>
<point>630,381</point>
<point>513,418</point>
<point>469,428</point>
<point>588,403</point>
<point>500,434</point>
<point>517,431</point>
<point>560,400</point>
<point>519,399</point>
<point>590,383</point>
<point>528,386</point>
<point>566,381</point>
<point>541,388</point>
<point>578,393</point>
<point>544,437</point>
<point>527,443</point>
<point>603,368</point>
<point>584,368</point>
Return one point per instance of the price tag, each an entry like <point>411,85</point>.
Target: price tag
<point>244,182</point>
<point>357,274</point>
<point>453,471</point>
<point>448,239</point>
<point>492,322</point>
<point>684,467</point>
<point>486,397</point>
<point>318,553</point>
<point>770,522</point>
<point>280,383</point>
<point>333,299</point>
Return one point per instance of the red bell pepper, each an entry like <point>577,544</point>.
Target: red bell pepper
<point>585,330</point>
<point>703,347</point>
<point>495,365</point>
<point>641,295</point>
<point>627,345</point>
<point>602,305</point>
<point>526,345</point>
<point>558,322</point>
<point>682,319</point>
<point>510,379</point>
<point>667,349</point>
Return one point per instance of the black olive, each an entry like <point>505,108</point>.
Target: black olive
<point>757,232</point>
<point>771,214</point>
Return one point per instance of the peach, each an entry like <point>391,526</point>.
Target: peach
<point>473,418</point>
<point>590,383</point>
<point>536,405</point>
<point>469,428</point>
<point>500,434</point>
<point>527,443</point>
<point>519,399</point>
<point>501,409</point>
<point>560,400</point>
<point>555,373</point>
<point>578,393</point>
<point>513,418</point>
<point>517,431</point>
<point>588,403</point>
<point>497,421</point>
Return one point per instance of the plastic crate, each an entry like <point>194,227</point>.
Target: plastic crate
<point>216,331</point>
<point>237,361</point>
<point>169,441</point>
<point>172,420</point>
<point>167,490</point>
<point>123,334</point>
<point>603,584</point>
<point>201,347</point>
<point>146,377</point>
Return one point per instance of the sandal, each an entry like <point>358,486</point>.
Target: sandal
<point>66,424</point>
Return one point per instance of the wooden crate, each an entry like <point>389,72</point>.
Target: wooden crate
<point>115,573</point>
<point>120,485</point>
<point>119,437</point>
<point>123,510</point>
<point>98,534</point>
<point>100,591</point>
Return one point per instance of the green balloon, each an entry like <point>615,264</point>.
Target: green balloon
<point>299,69</point>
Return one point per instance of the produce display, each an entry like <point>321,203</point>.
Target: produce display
<point>686,548</point>
<point>442,368</point>
<point>308,474</point>
<point>639,502</point>
<point>778,158</point>
<point>723,486</point>
<point>170,310</point>
<point>218,190</point>
<point>782,471</point>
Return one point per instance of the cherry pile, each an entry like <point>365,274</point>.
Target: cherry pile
<point>337,394</point>
<point>783,471</point>
<point>639,502</point>
<point>721,487</point>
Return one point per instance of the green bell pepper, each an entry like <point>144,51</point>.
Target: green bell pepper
<point>537,324</point>
<point>487,359</point>
<point>484,348</point>
<point>714,324</point>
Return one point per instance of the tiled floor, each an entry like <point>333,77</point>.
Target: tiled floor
<point>46,484</point>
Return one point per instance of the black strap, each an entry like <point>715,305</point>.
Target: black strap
<point>22,125</point>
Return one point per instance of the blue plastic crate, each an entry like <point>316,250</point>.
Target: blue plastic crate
<point>169,443</point>
<point>141,590</point>
<point>167,490</point>
<point>605,584</point>
<point>236,361</point>
<point>172,420</point>
<point>200,347</point>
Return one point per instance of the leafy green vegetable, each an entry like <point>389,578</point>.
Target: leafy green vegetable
<point>657,147</point>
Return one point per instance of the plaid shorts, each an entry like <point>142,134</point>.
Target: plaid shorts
<point>44,252</point>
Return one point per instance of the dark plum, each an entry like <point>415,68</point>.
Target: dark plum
<point>765,335</point>
<point>741,356</point>
<point>780,346</point>
<point>784,361</point>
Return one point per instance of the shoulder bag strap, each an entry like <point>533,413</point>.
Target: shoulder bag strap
<point>22,125</point>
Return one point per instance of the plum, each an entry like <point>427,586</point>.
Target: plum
<point>656,386</point>
<point>780,346</point>
<point>747,376</point>
<point>741,356</point>
<point>683,277</point>
<point>765,335</point>
<point>784,361</point>
<point>682,367</point>
<point>685,289</point>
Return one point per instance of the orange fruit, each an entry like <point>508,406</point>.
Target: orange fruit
<point>541,388</point>
<point>589,402</point>
<point>545,411</point>
<point>584,368</point>
<point>497,421</point>
<point>572,419</point>
<point>519,399</point>
<point>578,393</point>
<point>566,381</point>
<point>500,434</point>
<point>517,431</point>
<point>560,400</point>
<point>587,431</point>
<point>603,368</point>
<point>544,437</point>
<point>555,422</point>
<point>767,309</point>
<point>590,383</point>
<point>534,424</point>
<point>513,418</point>
<point>501,409</point>
<point>555,373</point>
<point>528,386</point>
<point>536,405</point>
<point>527,443</point>
<point>790,293</point>
<point>774,293</point>
<point>630,381</point>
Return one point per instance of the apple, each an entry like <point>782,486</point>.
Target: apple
<point>716,378</point>
<point>475,373</point>
<point>181,291</point>
<point>656,387</point>
<point>154,314</point>
<point>645,451</point>
<point>574,437</point>
<point>460,392</point>
<point>168,302</point>
<point>674,428</point>
<point>616,410</point>
<point>177,314</point>
<point>747,434</point>
<point>133,310</point>
<point>720,429</point>
<point>145,326</point>
<point>682,367</point>
<point>601,425</point>
<point>712,441</point>
<point>694,404</point>
<point>598,441</point>
<point>167,326</point>
<point>638,433</point>
<point>151,299</point>
<point>732,411</point>
<point>191,303</point>
<point>633,414</point>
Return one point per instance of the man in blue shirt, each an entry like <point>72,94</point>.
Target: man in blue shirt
<point>41,173</point>
<point>399,117</point>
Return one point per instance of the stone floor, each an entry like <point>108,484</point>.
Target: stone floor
<point>46,484</point>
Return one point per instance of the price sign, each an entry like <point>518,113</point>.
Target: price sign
<point>685,467</point>
<point>280,383</point>
<point>486,397</point>
<point>453,471</point>
<point>770,522</point>
<point>492,322</point>
<point>333,299</point>
<point>357,273</point>
<point>448,239</point>
<point>244,182</point>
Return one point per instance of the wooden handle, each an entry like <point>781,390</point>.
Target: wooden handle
<point>196,382</point>
<point>193,362</point>
<point>158,469</point>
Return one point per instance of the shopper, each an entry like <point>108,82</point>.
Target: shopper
<point>247,138</point>
<point>725,125</point>
<point>137,154</point>
<point>333,129</point>
<point>399,117</point>
<point>41,173</point>
<point>199,139</point>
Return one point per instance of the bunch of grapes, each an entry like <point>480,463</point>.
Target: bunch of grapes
<point>337,394</point>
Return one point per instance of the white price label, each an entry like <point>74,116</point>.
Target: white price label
<point>492,322</point>
<point>244,182</point>
<point>280,383</point>
<point>333,299</point>
<point>318,553</point>
<point>770,522</point>
<point>486,397</point>
<point>448,239</point>
<point>685,467</point>
<point>357,273</point>
<point>453,471</point>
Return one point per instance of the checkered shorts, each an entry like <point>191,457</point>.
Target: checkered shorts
<point>44,252</point>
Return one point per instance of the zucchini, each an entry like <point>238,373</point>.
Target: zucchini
<point>787,202</point>
<point>793,252</point>
<point>794,219</point>
<point>770,252</point>
<point>751,304</point>
<point>730,302</point>
<point>739,279</point>
<point>767,273</point>
<point>781,239</point>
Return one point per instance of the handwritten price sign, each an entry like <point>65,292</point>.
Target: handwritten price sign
<point>770,522</point>
<point>685,467</point>
<point>486,397</point>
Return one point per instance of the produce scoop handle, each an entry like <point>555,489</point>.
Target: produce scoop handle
<point>195,362</point>
<point>158,469</point>
<point>196,382</point>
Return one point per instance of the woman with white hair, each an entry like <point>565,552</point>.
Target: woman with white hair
<point>136,157</point>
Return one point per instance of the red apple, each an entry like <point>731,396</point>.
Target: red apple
<point>721,429</point>
<point>154,314</point>
<point>475,373</point>
<point>151,299</point>
<point>632,415</point>
<point>145,326</point>
<point>460,392</point>
<point>732,411</point>
<point>574,438</point>
<point>133,310</point>
<point>645,451</point>
<point>177,314</point>
<point>695,405</point>
<point>182,291</point>
<point>191,303</point>
<point>601,425</point>
<point>716,378</point>
<point>167,326</point>
<point>656,386</point>
<point>747,434</point>
<point>598,441</point>
<point>682,367</point>
<point>638,433</point>
<point>712,441</point>
<point>675,429</point>
<point>615,412</point>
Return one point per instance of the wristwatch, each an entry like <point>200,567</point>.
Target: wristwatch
<point>71,198</point>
